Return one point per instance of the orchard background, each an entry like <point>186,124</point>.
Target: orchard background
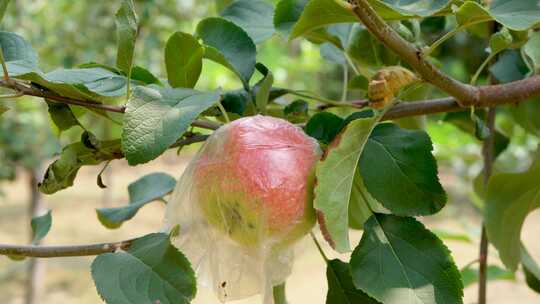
<point>328,68</point>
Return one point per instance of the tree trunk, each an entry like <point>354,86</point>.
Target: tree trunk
<point>36,267</point>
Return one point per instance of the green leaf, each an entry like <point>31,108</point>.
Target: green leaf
<point>263,88</point>
<point>400,172</point>
<point>509,67</point>
<point>126,32</point>
<point>399,261</point>
<point>141,192</point>
<point>183,60</point>
<point>324,126</point>
<point>500,41</point>
<point>3,8</point>
<point>62,116</point>
<point>287,14</point>
<point>152,270</point>
<point>510,198</point>
<point>296,111</point>
<point>41,226</point>
<point>156,118</point>
<point>319,13</point>
<point>359,82</point>
<point>335,175</point>
<point>532,50</point>
<point>470,13</point>
<point>526,115</point>
<point>229,45</point>
<point>531,270</point>
<point>19,55</point>
<point>62,172</point>
<point>366,50</point>
<point>517,15</point>
<point>392,9</point>
<point>340,286</point>
<point>469,275</point>
<point>143,75</point>
<point>254,16</point>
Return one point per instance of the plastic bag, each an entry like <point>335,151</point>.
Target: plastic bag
<point>242,203</point>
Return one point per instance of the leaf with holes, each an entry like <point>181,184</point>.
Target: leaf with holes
<point>155,118</point>
<point>152,270</point>
<point>141,192</point>
<point>399,261</point>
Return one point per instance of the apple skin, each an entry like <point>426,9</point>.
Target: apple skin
<point>254,181</point>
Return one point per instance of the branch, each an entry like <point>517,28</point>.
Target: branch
<point>63,251</point>
<point>27,90</point>
<point>466,95</point>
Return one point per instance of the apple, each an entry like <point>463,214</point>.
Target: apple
<point>253,181</point>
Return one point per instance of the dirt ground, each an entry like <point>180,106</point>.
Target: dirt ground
<point>75,222</point>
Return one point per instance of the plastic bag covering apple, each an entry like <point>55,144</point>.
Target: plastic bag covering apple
<point>242,203</point>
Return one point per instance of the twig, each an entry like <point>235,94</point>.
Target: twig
<point>23,89</point>
<point>487,151</point>
<point>466,95</point>
<point>63,251</point>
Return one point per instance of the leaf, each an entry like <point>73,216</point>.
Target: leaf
<point>19,56</point>
<point>517,15</point>
<point>41,226</point>
<point>62,116</point>
<point>263,88</point>
<point>532,49</point>
<point>510,198</point>
<point>526,115</point>
<point>469,275</point>
<point>399,261</point>
<point>62,172</point>
<point>126,32</point>
<point>287,14</point>
<point>152,270</point>
<point>296,111</point>
<point>319,13</point>
<point>324,126</point>
<point>500,41</point>
<point>156,118</point>
<point>509,67</point>
<point>366,50</point>
<point>391,9</point>
<point>183,60</point>
<point>400,172</point>
<point>143,75</point>
<point>470,13</point>
<point>253,16</point>
<point>452,236</point>
<point>335,175</point>
<point>229,45</point>
<point>531,270</point>
<point>141,192</point>
<point>340,286</point>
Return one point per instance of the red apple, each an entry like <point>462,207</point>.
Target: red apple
<point>254,181</point>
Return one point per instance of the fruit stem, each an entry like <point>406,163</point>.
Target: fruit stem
<point>318,246</point>
<point>224,112</point>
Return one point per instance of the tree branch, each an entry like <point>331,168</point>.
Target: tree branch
<point>27,90</point>
<point>63,251</point>
<point>466,95</point>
